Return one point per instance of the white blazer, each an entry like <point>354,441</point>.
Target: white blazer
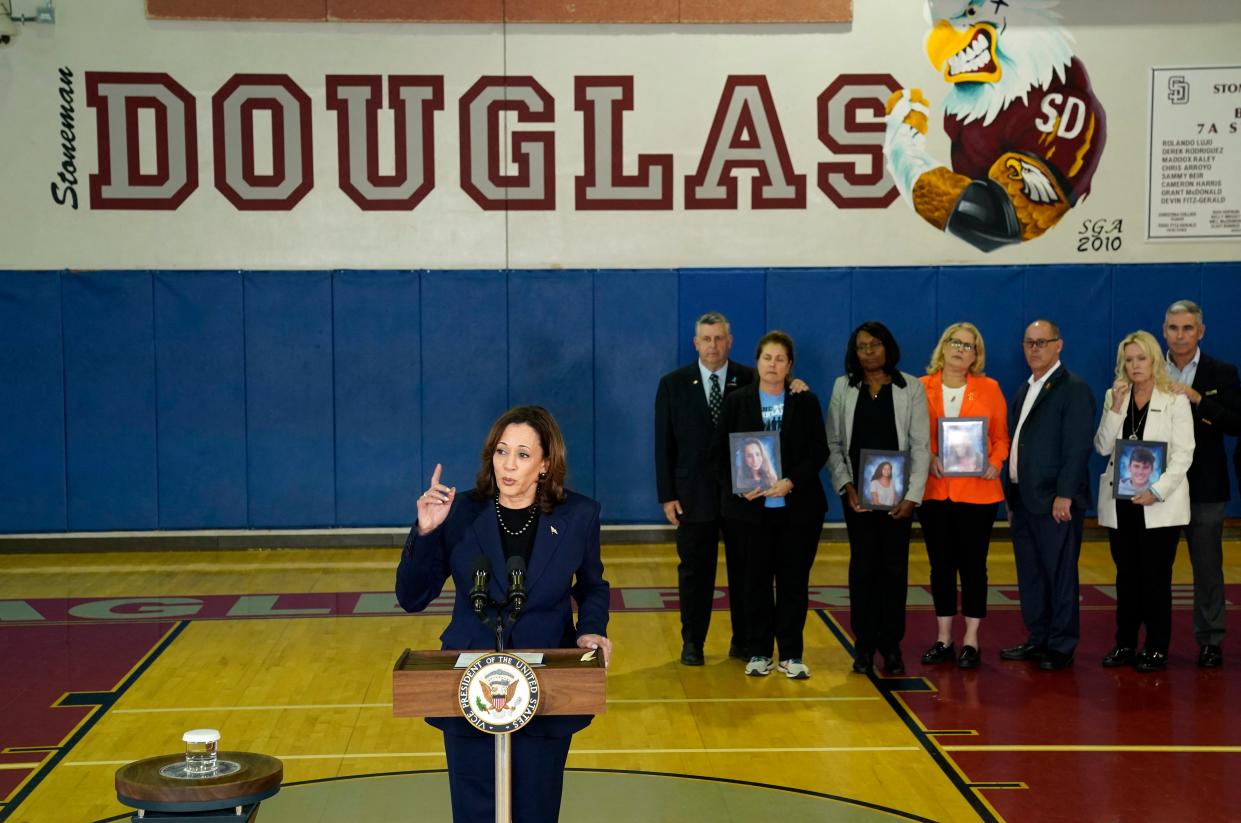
<point>913,432</point>
<point>1169,420</point>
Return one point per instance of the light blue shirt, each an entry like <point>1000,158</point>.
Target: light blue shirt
<point>773,416</point>
<point>1187,374</point>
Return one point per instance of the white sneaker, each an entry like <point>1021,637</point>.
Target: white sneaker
<point>794,669</point>
<point>758,667</point>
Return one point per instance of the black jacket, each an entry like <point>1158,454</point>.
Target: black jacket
<point>803,451</point>
<point>683,430</point>
<point>1218,414</point>
<point>1056,442</point>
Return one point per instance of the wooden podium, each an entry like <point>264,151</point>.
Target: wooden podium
<point>426,684</point>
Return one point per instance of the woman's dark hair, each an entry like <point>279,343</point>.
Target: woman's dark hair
<point>551,486</point>
<point>879,471</point>
<point>891,352</point>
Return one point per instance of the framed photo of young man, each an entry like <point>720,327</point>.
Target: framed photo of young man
<point>963,446</point>
<point>883,479</point>
<point>755,460</point>
<point>1138,465</point>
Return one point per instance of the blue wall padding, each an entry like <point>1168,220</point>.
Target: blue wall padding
<point>551,358</point>
<point>378,357</point>
<point>903,300</point>
<point>636,336</point>
<point>200,367</point>
<point>1220,285</point>
<point>289,399</point>
<point>180,400</point>
<point>817,335</point>
<point>738,294</point>
<point>32,414</point>
<point>110,429</point>
<point>464,370</point>
<point>982,296</point>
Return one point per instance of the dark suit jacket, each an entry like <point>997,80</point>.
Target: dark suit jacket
<point>683,431</point>
<point>1056,442</point>
<point>564,563</point>
<point>803,451</point>
<point>1218,414</point>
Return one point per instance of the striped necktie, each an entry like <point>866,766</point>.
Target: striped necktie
<point>713,402</point>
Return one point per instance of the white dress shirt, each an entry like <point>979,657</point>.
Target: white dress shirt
<point>1036,386</point>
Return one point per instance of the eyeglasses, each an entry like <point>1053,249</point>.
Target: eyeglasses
<point>1039,345</point>
<point>961,345</point>
<point>874,345</point>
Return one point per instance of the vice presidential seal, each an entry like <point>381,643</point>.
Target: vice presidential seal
<point>499,693</point>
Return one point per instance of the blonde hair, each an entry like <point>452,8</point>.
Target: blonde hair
<point>1147,343</point>
<point>980,349</point>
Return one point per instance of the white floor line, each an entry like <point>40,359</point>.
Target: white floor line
<point>572,752</point>
<point>387,706</point>
<point>259,567</point>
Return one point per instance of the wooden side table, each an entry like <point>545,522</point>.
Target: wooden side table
<point>234,796</point>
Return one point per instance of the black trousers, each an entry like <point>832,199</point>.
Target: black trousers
<point>1143,560</point>
<point>1205,536</point>
<point>878,578</point>
<point>1047,553</point>
<point>958,536</point>
<point>537,777</point>
<point>698,550</point>
<point>781,549</point>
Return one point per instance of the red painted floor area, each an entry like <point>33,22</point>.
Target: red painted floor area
<point>43,663</point>
<point>1015,704</point>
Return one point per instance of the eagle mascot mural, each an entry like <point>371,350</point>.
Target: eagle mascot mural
<point>1026,130</point>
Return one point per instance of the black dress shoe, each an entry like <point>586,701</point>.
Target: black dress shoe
<point>893,663</point>
<point>1119,656</point>
<point>1026,651</point>
<point>1054,660</point>
<point>691,654</point>
<point>864,662</point>
<point>1210,656</point>
<point>939,653</point>
<point>969,659</point>
<point>1149,661</point>
<point>736,652</point>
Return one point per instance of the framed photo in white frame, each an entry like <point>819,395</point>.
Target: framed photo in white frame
<point>963,446</point>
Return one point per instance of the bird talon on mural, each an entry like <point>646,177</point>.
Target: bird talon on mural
<point>1025,128</point>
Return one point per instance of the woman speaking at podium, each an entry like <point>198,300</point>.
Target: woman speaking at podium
<point>518,507</point>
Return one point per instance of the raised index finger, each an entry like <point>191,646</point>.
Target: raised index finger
<point>435,475</point>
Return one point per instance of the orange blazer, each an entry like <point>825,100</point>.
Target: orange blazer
<point>983,398</point>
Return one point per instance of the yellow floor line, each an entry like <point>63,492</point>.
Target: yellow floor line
<point>627,752</point>
<point>1057,748</point>
<point>640,701</point>
<point>19,766</point>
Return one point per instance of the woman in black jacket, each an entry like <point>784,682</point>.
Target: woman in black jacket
<point>777,527</point>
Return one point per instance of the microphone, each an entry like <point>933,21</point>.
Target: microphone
<point>479,599</point>
<point>516,585</point>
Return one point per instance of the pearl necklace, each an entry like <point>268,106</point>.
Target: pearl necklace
<point>506,529</point>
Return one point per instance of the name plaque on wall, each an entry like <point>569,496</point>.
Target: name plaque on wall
<point>1194,184</point>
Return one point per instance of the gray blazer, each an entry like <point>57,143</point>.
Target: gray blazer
<point>913,432</point>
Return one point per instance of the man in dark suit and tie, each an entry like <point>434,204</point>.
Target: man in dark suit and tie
<point>1214,394</point>
<point>687,405</point>
<point>1052,419</point>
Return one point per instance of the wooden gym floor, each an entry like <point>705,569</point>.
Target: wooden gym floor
<point>108,657</point>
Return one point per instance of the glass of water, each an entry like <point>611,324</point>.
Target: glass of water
<point>200,750</point>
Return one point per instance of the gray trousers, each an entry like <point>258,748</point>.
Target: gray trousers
<point>1205,535</point>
